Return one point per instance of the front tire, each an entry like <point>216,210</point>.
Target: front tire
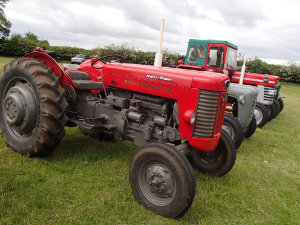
<point>217,162</point>
<point>32,107</point>
<point>281,104</point>
<point>162,180</point>
<point>274,110</point>
<point>261,114</point>
<point>251,128</point>
<point>234,129</point>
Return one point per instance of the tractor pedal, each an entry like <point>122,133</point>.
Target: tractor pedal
<point>87,84</point>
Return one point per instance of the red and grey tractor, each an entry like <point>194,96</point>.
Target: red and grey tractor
<point>239,120</point>
<point>214,54</point>
<point>174,115</point>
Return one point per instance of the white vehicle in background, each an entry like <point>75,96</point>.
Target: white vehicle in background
<point>79,58</point>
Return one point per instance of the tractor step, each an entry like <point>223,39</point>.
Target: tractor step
<point>88,84</point>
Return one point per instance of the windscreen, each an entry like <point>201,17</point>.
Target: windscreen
<point>231,58</point>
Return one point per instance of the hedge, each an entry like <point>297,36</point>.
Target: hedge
<point>17,45</point>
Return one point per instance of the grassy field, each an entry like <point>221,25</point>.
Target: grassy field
<point>85,181</point>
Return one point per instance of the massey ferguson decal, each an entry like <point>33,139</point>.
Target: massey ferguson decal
<point>158,77</point>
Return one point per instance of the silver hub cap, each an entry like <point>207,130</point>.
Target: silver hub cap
<point>157,183</point>
<point>229,130</point>
<point>20,109</point>
<point>258,116</point>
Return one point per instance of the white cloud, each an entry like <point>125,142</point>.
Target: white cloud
<point>267,29</point>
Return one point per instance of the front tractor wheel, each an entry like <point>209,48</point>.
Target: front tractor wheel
<point>261,114</point>
<point>234,129</point>
<point>162,180</point>
<point>251,128</point>
<point>217,162</point>
<point>32,107</point>
<point>281,104</point>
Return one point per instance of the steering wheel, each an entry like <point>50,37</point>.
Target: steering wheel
<point>119,59</point>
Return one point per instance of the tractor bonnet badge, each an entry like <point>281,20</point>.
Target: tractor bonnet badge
<point>158,77</point>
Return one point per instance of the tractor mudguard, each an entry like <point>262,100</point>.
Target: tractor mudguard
<point>43,56</point>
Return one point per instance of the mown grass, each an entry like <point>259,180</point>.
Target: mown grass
<point>85,181</point>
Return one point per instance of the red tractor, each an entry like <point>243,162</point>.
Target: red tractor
<point>217,56</point>
<point>175,116</point>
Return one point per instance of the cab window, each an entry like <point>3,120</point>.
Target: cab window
<point>216,57</point>
<point>232,59</point>
<point>196,52</point>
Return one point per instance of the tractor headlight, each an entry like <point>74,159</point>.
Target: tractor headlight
<point>242,99</point>
<point>227,83</point>
<point>266,79</point>
<point>189,117</point>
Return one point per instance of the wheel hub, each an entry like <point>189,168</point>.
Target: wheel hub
<point>160,180</point>
<point>258,116</point>
<point>20,111</point>
<point>228,129</point>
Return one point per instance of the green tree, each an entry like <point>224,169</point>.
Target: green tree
<point>4,23</point>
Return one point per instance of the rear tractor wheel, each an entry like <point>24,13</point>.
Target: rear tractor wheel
<point>217,162</point>
<point>162,180</point>
<point>32,107</point>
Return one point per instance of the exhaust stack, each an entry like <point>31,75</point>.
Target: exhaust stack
<point>158,55</point>
<point>243,70</point>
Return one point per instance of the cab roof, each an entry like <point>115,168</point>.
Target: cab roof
<point>206,42</point>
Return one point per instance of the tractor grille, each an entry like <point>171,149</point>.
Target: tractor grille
<point>269,93</point>
<point>206,114</point>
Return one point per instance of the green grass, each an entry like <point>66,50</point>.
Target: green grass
<point>85,181</point>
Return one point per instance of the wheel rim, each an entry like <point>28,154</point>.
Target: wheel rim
<point>20,108</point>
<point>228,129</point>
<point>258,115</point>
<point>211,159</point>
<point>157,183</point>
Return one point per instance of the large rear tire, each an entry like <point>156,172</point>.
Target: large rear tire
<point>32,107</point>
<point>234,129</point>
<point>251,128</point>
<point>261,114</point>
<point>217,162</point>
<point>162,180</point>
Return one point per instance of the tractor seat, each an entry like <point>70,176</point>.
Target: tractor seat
<point>88,84</point>
<point>77,75</point>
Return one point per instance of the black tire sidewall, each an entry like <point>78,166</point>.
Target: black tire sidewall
<point>251,128</point>
<point>182,172</point>
<point>237,128</point>
<point>6,78</point>
<point>264,112</point>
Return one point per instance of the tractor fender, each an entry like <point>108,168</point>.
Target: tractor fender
<point>42,56</point>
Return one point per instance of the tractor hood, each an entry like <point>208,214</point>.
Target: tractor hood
<point>257,79</point>
<point>147,75</point>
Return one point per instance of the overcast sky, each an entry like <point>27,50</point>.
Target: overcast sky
<point>268,29</point>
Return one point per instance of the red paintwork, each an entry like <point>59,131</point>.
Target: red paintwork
<point>256,79</point>
<point>180,85</point>
<point>249,78</point>
<point>51,63</point>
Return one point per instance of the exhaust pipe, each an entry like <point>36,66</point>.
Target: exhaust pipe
<point>158,55</point>
<point>243,70</point>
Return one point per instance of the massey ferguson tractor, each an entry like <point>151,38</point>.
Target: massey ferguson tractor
<point>211,58</point>
<point>174,115</point>
<point>239,120</point>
